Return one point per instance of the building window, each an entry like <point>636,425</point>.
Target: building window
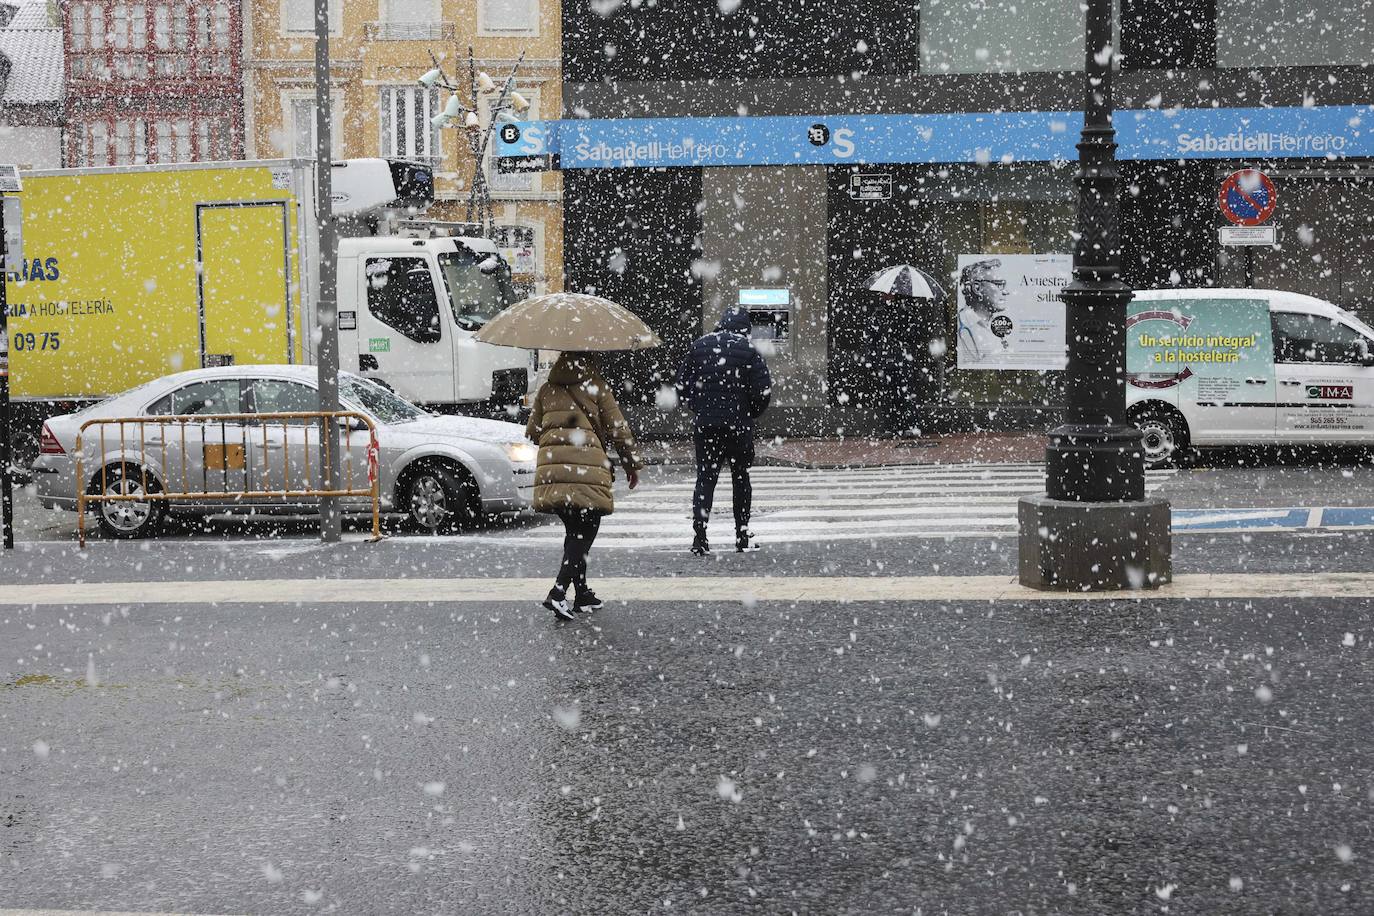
<point>519,183</point>
<point>196,136</point>
<point>406,131</point>
<point>508,17</point>
<point>1280,33</point>
<point>299,16</point>
<point>993,36</point>
<point>410,20</point>
<point>300,123</point>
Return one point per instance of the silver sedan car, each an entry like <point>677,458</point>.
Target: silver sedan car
<point>442,471</point>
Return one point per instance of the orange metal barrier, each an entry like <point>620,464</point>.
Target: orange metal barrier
<point>219,458</point>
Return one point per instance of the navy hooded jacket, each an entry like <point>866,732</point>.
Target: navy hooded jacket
<point>724,380</point>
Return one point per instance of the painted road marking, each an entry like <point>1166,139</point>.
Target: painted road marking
<point>812,505</point>
<point>828,589</point>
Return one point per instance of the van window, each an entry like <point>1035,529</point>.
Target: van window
<point>1300,337</point>
<point>400,294</point>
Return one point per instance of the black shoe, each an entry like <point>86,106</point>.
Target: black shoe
<point>558,602</point>
<point>744,540</point>
<point>700,546</point>
<point>587,601</point>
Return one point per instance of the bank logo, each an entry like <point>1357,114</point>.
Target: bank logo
<point>818,134</point>
<point>1001,325</point>
<point>510,133</point>
<point>1331,392</point>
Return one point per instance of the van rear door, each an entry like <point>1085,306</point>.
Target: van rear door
<point>1216,353</point>
<point>1325,390</point>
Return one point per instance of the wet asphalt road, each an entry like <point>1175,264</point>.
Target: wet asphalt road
<point>685,756</point>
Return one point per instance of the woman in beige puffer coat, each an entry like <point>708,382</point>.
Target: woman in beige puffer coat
<point>573,417</point>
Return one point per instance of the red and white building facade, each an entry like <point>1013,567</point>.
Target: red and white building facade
<point>153,81</point>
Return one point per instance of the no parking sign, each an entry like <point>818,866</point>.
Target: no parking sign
<point>1247,197</point>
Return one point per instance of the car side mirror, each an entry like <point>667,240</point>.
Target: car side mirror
<point>351,424</point>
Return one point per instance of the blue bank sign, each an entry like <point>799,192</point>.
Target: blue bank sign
<point>1332,132</point>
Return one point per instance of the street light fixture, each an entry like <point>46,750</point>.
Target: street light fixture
<point>1094,529</point>
<point>469,109</point>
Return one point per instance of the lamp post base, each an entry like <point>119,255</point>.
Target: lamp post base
<point>1078,546</point>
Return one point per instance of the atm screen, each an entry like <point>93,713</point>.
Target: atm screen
<point>770,324</point>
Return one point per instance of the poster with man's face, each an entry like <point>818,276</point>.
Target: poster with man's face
<point>1010,314</point>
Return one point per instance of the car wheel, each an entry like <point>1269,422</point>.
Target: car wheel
<point>1163,436</point>
<point>439,500</point>
<point>128,519</point>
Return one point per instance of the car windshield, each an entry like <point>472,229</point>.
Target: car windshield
<point>479,286</point>
<point>376,400</point>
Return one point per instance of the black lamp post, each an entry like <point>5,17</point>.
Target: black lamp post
<point>1093,529</point>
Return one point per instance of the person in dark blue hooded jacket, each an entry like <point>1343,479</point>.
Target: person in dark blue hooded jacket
<point>725,383</point>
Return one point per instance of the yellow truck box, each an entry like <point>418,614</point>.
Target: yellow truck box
<point>133,273</point>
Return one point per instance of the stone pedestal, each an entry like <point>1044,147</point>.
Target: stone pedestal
<point>1080,546</point>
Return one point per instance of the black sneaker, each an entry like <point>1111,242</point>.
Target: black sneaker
<point>744,540</point>
<point>558,602</point>
<point>700,546</point>
<point>587,601</point>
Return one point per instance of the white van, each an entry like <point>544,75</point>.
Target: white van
<point>1246,367</point>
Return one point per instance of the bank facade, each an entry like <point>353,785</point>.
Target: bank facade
<point>774,155</point>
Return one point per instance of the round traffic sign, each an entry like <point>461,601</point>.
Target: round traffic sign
<point>1247,197</point>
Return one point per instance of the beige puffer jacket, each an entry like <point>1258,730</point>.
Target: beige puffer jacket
<point>570,414</point>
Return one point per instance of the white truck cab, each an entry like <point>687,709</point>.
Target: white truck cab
<point>1246,367</point>
<point>413,293</point>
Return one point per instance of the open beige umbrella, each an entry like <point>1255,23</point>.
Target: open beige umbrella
<point>568,321</point>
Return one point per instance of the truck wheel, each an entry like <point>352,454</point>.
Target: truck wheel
<point>438,500</point>
<point>127,520</point>
<point>1163,436</point>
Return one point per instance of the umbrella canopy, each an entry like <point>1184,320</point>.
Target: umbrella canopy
<point>568,321</point>
<point>905,281</point>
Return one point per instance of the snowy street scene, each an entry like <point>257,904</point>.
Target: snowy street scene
<point>647,456</point>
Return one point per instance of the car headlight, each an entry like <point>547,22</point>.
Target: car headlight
<point>522,452</point>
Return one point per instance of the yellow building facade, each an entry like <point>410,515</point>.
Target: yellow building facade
<point>378,50</point>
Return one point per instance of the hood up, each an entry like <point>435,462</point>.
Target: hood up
<point>736,321</point>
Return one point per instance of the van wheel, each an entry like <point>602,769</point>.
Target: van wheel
<point>128,519</point>
<point>1163,436</point>
<point>439,499</point>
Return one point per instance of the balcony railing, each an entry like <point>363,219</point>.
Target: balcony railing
<point>410,31</point>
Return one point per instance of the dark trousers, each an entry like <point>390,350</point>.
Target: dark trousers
<point>580,527</point>
<point>716,446</point>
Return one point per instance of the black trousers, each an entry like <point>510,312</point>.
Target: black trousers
<point>580,527</point>
<point>717,446</point>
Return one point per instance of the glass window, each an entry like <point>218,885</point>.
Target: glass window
<point>1304,338</point>
<point>78,14</point>
<point>97,35</point>
<point>139,24</point>
<point>215,396</point>
<point>406,131</point>
<point>120,28</point>
<point>299,15</point>
<point>478,285</point>
<point>1281,33</point>
<point>221,26</point>
<point>997,36</point>
<point>400,293</point>
<point>410,18</point>
<point>162,27</point>
<point>302,114</point>
<point>374,399</point>
<point>269,395</point>
<point>510,16</point>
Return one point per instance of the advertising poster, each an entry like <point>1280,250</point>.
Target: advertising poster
<point>1010,314</point>
<point>1199,349</point>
